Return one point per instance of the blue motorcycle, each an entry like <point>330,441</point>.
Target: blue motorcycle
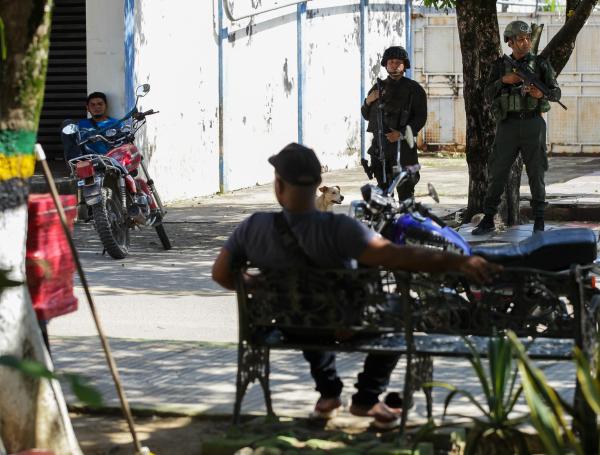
<point>409,222</point>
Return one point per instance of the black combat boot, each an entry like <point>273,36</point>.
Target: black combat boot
<point>538,224</point>
<point>485,225</point>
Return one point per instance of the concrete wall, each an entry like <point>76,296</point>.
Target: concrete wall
<point>176,53</point>
<point>105,51</point>
<point>176,50</point>
<point>438,67</point>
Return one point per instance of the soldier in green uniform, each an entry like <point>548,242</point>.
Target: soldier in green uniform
<point>520,126</point>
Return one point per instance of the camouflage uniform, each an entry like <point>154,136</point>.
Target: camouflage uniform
<point>520,128</point>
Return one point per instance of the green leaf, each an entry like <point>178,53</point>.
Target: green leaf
<point>477,365</point>
<point>440,4</point>
<point>547,413</point>
<point>85,392</point>
<point>453,392</point>
<point>29,367</point>
<point>513,401</point>
<point>589,386</point>
<point>3,53</point>
<point>544,421</point>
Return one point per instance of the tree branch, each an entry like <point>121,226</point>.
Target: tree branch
<point>561,46</point>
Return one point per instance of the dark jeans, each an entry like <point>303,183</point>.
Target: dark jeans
<point>372,382</point>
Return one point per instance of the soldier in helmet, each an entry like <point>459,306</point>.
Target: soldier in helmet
<point>520,126</point>
<point>403,103</point>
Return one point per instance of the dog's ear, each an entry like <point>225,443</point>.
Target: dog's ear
<point>338,187</point>
<point>323,189</point>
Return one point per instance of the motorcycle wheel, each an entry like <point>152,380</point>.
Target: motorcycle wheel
<point>111,224</point>
<point>162,235</point>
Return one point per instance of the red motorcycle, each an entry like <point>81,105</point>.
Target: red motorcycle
<point>110,189</point>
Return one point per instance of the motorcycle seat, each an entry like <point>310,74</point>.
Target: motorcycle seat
<point>550,250</point>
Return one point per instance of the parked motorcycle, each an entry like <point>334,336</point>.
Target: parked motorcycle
<point>110,190</point>
<point>409,222</point>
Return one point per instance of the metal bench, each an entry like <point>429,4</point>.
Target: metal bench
<point>418,315</point>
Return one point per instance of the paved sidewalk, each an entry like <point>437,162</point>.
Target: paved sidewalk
<point>199,377</point>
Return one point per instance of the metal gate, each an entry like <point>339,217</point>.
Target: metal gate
<point>438,67</point>
<point>66,80</point>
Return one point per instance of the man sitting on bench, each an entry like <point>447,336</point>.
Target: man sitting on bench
<point>302,237</point>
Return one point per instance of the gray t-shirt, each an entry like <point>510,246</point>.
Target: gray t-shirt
<point>330,240</point>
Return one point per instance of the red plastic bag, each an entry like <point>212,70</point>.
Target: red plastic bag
<point>49,262</point>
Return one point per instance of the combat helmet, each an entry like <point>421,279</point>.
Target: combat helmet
<point>395,52</point>
<point>515,28</point>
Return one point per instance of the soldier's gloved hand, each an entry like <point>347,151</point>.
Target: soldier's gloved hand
<point>371,97</point>
<point>535,92</point>
<point>393,136</point>
<point>511,78</point>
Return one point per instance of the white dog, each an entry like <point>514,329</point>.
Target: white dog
<point>329,195</point>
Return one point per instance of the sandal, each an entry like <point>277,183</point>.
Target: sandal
<point>326,408</point>
<point>384,418</point>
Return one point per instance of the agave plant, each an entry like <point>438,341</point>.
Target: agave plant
<point>501,393</point>
<point>549,411</point>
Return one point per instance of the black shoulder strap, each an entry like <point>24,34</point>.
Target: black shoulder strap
<point>290,242</point>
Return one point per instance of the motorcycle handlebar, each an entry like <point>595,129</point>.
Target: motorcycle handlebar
<point>94,138</point>
<point>141,115</point>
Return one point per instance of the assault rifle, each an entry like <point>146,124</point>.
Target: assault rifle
<point>406,133</point>
<point>523,70</point>
<point>379,108</point>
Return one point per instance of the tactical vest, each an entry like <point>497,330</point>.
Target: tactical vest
<point>511,99</point>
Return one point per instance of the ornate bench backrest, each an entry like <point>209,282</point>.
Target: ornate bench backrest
<point>530,302</point>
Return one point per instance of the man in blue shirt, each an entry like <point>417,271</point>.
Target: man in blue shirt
<point>96,105</point>
<point>329,241</point>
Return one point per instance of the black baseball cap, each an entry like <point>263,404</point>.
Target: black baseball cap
<point>298,165</point>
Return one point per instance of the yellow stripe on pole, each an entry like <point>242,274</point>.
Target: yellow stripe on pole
<point>16,166</point>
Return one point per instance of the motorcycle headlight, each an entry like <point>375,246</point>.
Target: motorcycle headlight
<point>357,210</point>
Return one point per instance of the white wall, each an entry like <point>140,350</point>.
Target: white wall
<point>176,51</point>
<point>105,51</point>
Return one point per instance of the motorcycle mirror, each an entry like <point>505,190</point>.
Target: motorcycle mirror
<point>142,90</point>
<point>433,193</point>
<point>110,132</point>
<point>71,128</point>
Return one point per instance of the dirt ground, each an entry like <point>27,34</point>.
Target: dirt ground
<point>109,435</point>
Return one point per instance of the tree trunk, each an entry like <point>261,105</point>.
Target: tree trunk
<point>509,209</point>
<point>561,46</point>
<point>477,19</point>
<point>33,412</point>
